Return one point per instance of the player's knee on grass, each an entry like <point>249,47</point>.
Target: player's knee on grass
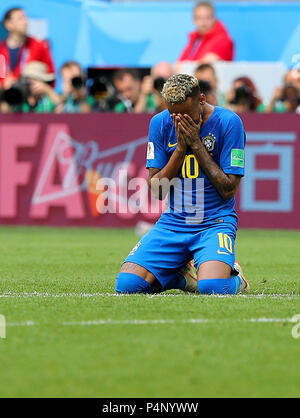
<point>132,283</point>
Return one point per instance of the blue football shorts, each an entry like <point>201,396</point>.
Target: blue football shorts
<point>163,252</point>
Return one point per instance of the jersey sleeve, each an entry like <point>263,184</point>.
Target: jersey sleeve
<point>232,158</point>
<point>157,156</point>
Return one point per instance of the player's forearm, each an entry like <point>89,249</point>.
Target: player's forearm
<point>222,182</point>
<point>173,166</point>
<point>169,172</point>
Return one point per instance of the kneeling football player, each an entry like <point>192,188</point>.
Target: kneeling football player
<point>198,150</point>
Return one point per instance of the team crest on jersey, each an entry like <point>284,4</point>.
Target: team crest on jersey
<point>209,142</point>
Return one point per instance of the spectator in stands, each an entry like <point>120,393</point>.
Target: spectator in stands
<point>135,96</point>
<point>19,49</point>
<point>206,73</point>
<point>162,70</point>
<point>243,96</point>
<point>210,42</point>
<point>206,88</point>
<point>33,92</point>
<point>293,77</point>
<point>285,99</point>
<point>75,98</point>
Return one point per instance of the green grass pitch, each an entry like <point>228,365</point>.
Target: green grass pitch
<point>68,335</point>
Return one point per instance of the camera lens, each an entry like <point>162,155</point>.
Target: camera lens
<point>77,82</point>
<point>13,96</point>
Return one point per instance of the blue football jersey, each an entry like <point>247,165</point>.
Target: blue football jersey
<point>193,200</point>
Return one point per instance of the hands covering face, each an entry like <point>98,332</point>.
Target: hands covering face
<point>187,131</point>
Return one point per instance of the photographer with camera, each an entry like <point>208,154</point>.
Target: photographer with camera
<point>243,97</point>
<point>206,73</point>
<point>33,92</point>
<point>135,96</point>
<point>285,99</point>
<point>75,98</point>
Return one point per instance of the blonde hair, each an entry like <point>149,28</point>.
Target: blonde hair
<point>178,88</point>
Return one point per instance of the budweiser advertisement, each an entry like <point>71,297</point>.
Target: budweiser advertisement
<point>51,167</point>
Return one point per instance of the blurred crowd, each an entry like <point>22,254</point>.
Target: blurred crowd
<point>30,85</point>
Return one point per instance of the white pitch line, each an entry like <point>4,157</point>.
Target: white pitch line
<point>174,321</point>
<point>193,321</point>
<point>271,320</point>
<point>137,322</point>
<point>21,324</point>
<point>163,295</point>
